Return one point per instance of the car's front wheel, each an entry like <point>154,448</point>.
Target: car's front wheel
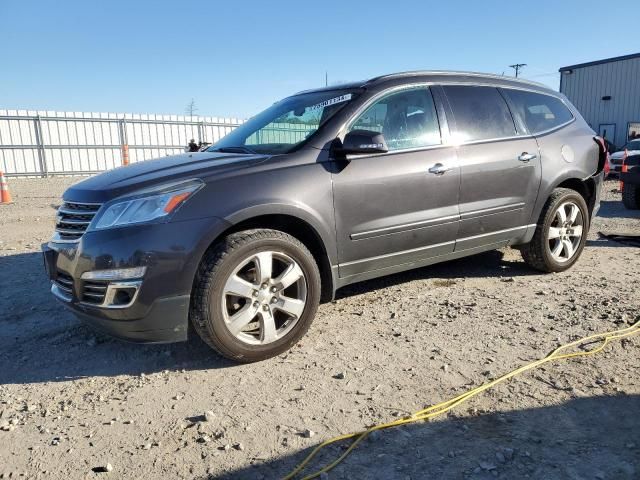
<point>561,232</point>
<point>255,294</point>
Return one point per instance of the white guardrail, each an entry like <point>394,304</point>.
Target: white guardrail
<point>45,143</point>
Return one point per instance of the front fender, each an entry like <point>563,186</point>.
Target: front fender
<point>301,212</point>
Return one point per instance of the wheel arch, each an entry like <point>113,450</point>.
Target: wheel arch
<point>586,188</point>
<point>297,226</point>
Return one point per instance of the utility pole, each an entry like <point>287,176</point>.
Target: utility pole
<point>191,108</point>
<point>517,67</point>
<point>326,79</point>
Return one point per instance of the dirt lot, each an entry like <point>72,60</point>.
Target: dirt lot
<point>72,401</point>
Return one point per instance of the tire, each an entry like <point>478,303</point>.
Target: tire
<point>539,253</point>
<point>233,264</point>
<point>631,196</point>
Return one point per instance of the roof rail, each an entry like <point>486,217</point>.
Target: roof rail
<point>451,72</point>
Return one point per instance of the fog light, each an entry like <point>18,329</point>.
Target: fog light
<point>115,274</point>
<point>123,296</point>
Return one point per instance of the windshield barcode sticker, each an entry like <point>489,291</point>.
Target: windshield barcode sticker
<point>332,101</point>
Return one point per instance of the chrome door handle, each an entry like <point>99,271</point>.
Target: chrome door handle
<point>526,157</point>
<point>439,169</point>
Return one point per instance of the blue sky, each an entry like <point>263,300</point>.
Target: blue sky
<point>237,57</point>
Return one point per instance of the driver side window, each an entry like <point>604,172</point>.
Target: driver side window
<point>407,119</point>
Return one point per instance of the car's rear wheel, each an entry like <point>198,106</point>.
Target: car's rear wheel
<point>561,232</point>
<point>255,294</point>
<point>631,196</point>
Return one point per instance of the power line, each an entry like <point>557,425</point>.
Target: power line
<point>517,67</point>
<point>548,74</point>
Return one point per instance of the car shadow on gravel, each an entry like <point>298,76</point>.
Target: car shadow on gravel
<point>490,264</point>
<point>42,342</point>
<point>616,209</point>
<point>612,241</point>
<point>594,437</point>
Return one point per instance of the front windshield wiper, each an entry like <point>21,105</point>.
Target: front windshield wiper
<point>232,150</point>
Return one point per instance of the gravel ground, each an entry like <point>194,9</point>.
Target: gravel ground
<point>74,404</point>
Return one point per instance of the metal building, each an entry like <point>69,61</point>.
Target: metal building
<point>607,94</point>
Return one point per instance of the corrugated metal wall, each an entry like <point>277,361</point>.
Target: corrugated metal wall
<point>53,143</point>
<point>586,86</point>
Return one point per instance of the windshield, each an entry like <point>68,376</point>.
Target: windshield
<point>632,145</point>
<point>286,124</point>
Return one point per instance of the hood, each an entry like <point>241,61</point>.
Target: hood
<point>620,154</point>
<point>122,180</point>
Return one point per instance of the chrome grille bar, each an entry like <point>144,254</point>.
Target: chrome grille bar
<point>73,219</point>
<point>94,292</point>
<point>62,286</point>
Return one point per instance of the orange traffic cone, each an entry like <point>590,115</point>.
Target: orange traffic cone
<point>125,154</point>
<point>623,169</point>
<point>5,195</point>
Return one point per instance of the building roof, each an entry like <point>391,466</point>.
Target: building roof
<point>600,62</point>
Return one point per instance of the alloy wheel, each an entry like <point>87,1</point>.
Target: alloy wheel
<point>565,232</point>
<point>264,297</point>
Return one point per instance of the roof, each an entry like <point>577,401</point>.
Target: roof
<point>452,73</point>
<point>600,62</point>
<point>427,73</point>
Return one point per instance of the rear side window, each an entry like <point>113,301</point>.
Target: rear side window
<point>540,112</point>
<point>480,113</point>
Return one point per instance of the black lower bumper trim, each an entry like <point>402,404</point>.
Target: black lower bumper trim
<point>166,322</point>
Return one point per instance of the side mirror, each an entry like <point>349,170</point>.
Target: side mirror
<point>363,141</point>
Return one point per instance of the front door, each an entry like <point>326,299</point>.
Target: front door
<point>390,209</point>
<point>500,168</point>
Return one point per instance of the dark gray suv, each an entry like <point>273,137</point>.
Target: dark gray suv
<point>325,188</point>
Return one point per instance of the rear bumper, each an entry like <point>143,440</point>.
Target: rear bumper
<point>598,180</point>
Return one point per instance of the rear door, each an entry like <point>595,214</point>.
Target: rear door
<point>390,209</point>
<point>499,167</point>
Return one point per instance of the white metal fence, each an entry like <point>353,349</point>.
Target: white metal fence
<point>43,143</point>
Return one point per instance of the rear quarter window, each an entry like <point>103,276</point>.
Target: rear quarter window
<point>539,112</point>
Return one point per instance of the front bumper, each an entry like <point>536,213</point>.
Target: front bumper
<point>166,322</point>
<point>615,164</point>
<point>159,311</point>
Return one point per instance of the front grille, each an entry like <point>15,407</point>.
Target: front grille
<point>73,219</point>
<point>94,292</point>
<point>64,283</point>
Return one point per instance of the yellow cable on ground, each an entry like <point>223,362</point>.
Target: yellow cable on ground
<point>560,353</point>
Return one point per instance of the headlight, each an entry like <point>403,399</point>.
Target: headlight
<point>147,205</point>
